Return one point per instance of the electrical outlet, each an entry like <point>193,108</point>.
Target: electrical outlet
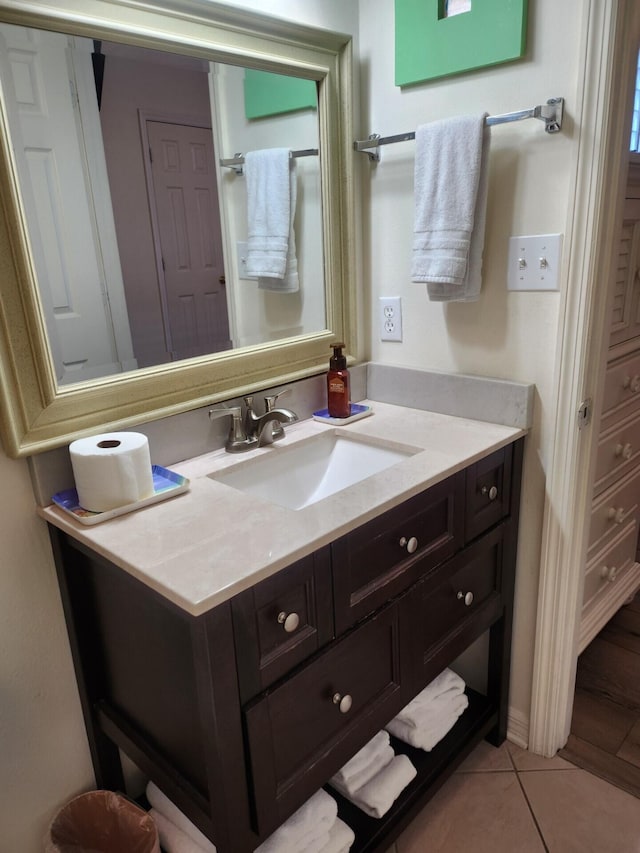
<point>390,318</point>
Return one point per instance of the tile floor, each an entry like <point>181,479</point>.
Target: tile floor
<point>507,800</point>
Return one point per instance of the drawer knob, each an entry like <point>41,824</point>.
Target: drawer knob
<point>410,544</point>
<point>616,515</point>
<point>289,621</point>
<point>492,492</point>
<point>609,573</point>
<point>633,384</point>
<point>624,450</point>
<point>344,703</point>
<point>467,597</point>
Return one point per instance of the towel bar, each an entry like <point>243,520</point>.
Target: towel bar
<point>237,161</point>
<point>550,113</point>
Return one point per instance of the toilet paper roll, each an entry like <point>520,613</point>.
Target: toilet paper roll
<point>111,470</point>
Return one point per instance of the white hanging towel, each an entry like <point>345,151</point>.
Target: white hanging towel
<point>450,187</point>
<point>271,202</point>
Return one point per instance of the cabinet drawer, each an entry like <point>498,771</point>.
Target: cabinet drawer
<point>385,556</point>
<point>622,383</point>
<point>279,622</point>
<point>605,569</point>
<point>488,492</point>
<point>618,452</point>
<point>456,604</point>
<point>613,509</point>
<point>297,734</point>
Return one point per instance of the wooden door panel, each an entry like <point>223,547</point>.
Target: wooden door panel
<point>187,216</point>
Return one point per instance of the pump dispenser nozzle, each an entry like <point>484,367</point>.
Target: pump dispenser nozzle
<point>337,361</point>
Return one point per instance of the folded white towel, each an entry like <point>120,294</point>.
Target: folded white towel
<point>432,731</point>
<point>420,715</point>
<point>447,680</point>
<point>450,205</point>
<point>341,837</point>
<point>271,197</point>
<point>368,761</point>
<point>290,282</point>
<point>379,794</point>
<point>173,839</point>
<point>307,829</point>
<point>162,804</point>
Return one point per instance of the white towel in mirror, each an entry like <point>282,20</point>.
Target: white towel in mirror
<point>271,204</point>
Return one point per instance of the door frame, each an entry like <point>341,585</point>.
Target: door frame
<point>611,31</point>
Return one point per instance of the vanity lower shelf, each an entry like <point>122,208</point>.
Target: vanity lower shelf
<point>433,768</point>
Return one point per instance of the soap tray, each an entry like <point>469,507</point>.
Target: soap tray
<point>166,484</point>
<point>357,412</point>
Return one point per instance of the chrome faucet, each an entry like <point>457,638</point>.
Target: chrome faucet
<point>267,427</point>
<point>249,429</point>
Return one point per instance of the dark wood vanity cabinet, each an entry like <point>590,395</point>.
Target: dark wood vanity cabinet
<point>241,714</point>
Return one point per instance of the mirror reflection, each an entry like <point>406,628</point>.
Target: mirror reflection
<point>139,237</point>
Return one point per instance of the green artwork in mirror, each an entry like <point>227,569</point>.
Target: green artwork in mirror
<point>267,94</point>
<point>436,38</point>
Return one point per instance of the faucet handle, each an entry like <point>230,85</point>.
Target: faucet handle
<point>237,440</point>
<point>271,399</point>
<point>234,411</point>
<point>277,430</point>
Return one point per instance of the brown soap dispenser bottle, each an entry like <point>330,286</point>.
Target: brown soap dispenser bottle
<point>338,397</point>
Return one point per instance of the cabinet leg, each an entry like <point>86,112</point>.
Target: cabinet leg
<point>105,755</point>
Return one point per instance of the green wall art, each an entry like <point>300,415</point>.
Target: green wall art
<point>267,94</point>
<point>437,38</point>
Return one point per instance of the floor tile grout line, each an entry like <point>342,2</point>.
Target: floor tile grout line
<point>533,814</point>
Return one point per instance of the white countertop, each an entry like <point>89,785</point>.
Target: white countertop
<point>201,548</point>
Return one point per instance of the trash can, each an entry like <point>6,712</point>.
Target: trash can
<point>102,822</point>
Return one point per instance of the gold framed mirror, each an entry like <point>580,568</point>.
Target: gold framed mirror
<point>38,410</point>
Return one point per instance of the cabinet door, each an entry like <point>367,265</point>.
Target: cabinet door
<point>281,621</point>
<point>384,557</point>
<point>304,730</point>
<point>488,492</point>
<point>454,605</point>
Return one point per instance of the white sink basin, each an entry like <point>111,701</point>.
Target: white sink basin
<point>300,475</point>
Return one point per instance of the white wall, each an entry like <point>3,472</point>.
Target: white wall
<point>507,335</point>
<point>44,755</point>
<point>44,758</point>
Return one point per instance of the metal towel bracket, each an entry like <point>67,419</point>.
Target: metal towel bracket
<point>550,113</point>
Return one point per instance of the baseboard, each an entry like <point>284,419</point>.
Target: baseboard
<point>518,728</point>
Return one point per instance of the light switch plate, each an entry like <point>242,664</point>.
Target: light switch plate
<point>534,262</point>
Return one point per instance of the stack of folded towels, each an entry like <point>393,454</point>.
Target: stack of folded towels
<point>314,828</point>
<point>177,833</point>
<point>374,777</point>
<point>427,718</point>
